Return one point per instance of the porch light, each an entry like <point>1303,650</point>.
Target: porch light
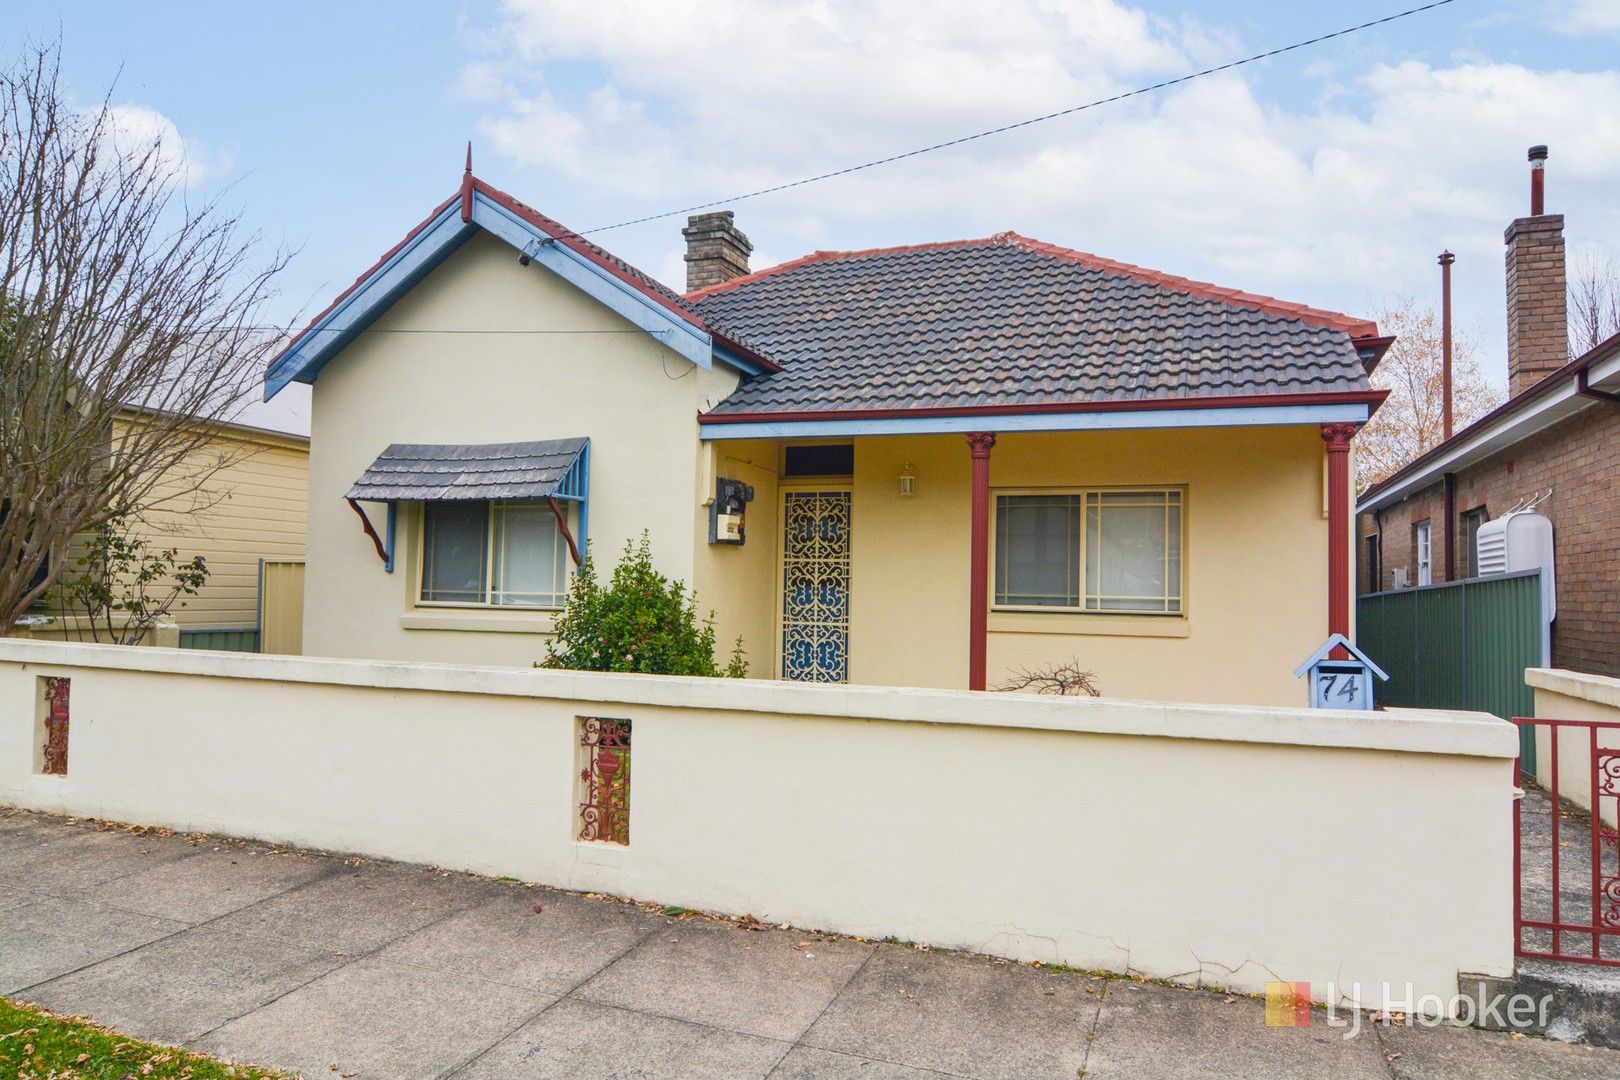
<point>908,480</point>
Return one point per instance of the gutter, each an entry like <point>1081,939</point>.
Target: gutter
<point>1572,379</point>
<point>1371,398</point>
<point>1586,391</point>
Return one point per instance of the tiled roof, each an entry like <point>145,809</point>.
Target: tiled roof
<point>525,470</point>
<point>1011,321</point>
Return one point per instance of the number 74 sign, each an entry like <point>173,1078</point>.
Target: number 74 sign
<point>1344,682</point>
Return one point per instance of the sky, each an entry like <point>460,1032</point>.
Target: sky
<point>1331,175</point>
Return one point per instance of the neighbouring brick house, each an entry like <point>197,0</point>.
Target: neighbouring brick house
<point>1558,437</point>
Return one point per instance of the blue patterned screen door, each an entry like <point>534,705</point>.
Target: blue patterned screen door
<point>815,586</point>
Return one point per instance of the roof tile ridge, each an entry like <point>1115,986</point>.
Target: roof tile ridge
<point>1332,320</point>
<point>823,255</point>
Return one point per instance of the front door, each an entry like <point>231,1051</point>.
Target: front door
<point>815,585</point>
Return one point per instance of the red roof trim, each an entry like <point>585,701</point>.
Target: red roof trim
<point>1357,328</point>
<point>827,256</point>
<point>579,244</point>
<point>1373,398</point>
<point>563,235</point>
<point>1332,320</point>
<point>361,280</point>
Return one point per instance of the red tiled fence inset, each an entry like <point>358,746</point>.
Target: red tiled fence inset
<point>604,809</point>
<point>55,761</point>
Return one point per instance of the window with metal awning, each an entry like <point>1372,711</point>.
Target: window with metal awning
<point>508,480</point>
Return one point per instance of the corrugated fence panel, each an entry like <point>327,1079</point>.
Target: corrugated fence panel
<point>281,606</point>
<point>246,640</point>
<point>1505,637</point>
<point>1442,618</point>
<point>1460,645</point>
<point>1385,626</point>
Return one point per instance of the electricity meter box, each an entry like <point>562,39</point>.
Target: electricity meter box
<point>728,511</point>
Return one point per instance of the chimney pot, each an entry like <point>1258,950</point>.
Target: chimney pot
<point>1537,302</point>
<point>716,250</point>
<point>1538,180</point>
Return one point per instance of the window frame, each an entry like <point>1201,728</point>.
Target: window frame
<point>1081,492</point>
<point>491,542</point>
<point>1471,520</point>
<point>1422,553</point>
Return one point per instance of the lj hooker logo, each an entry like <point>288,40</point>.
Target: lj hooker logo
<point>1288,1004</point>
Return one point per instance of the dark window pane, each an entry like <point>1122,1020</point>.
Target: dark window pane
<point>1472,520</point>
<point>1038,550</point>
<point>821,460</point>
<point>455,551</point>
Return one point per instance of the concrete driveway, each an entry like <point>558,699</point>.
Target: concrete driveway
<point>348,967</point>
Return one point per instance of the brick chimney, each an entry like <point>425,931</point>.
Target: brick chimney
<point>1537,306</point>
<point>716,250</point>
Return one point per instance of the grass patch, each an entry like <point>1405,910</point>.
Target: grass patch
<point>36,1045</point>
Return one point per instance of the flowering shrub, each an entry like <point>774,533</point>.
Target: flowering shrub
<point>640,621</point>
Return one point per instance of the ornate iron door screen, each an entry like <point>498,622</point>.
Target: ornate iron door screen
<point>815,586</point>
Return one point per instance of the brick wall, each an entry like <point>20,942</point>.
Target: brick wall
<point>1579,459</point>
<point>716,250</point>
<point>1537,303</point>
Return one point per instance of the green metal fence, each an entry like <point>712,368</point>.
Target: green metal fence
<point>223,640</point>
<point>1459,645</point>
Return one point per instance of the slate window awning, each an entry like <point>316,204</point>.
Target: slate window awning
<point>549,470</point>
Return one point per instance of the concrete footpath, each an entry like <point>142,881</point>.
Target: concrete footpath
<point>333,966</point>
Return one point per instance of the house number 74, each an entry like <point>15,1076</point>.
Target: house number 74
<point>1342,687</point>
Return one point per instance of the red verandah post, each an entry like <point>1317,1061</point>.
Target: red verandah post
<point>979,444</point>
<point>1337,437</point>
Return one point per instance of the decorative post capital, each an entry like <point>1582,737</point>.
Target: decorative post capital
<point>980,442</point>
<point>1338,436</point>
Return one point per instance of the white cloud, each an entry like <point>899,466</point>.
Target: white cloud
<point>1578,16</point>
<point>136,128</point>
<point>1339,200</point>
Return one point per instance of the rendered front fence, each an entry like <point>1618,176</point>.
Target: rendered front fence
<point>1233,846</point>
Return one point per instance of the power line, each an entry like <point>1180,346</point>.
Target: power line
<point>1003,129</point>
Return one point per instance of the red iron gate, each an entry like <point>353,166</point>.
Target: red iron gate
<point>1566,871</point>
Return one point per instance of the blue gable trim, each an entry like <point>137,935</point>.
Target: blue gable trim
<point>732,358</point>
<point>1251,416</point>
<point>595,281</point>
<point>311,350</point>
<point>442,235</point>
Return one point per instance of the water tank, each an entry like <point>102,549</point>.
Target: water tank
<point>1522,540</point>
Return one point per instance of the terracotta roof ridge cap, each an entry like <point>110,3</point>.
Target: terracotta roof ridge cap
<point>1332,320</point>
<point>821,255</point>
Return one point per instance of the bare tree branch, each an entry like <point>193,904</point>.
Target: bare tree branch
<point>1067,680</point>
<point>130,324</point>
<point>1412,419</point>
<point>1594,302</point>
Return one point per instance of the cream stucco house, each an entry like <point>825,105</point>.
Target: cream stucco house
<point>947,461</point>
